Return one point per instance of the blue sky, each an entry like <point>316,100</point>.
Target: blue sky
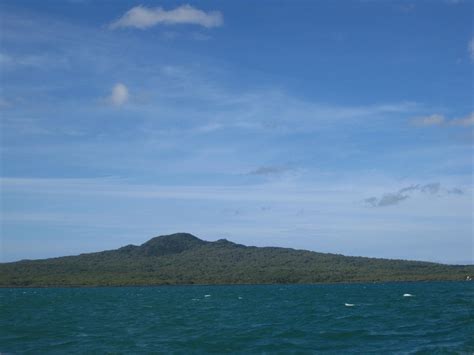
<point>342,127</point>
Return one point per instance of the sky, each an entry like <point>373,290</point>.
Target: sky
<point>341,127</point>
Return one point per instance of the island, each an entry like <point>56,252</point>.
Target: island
<point>183,259</point>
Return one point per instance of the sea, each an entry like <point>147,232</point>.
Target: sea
<point>403,318</point>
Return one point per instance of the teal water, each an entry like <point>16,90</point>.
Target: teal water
<point>439,318</point>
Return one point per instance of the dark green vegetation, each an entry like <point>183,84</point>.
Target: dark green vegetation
<point>184,259</point>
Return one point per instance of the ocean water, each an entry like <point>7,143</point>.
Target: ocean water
<point>437,318</point>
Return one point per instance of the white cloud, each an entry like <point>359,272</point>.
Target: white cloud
<point>119,95</point>
<point>143,17</point>
<point>432,120</point>
<point>470,48</point>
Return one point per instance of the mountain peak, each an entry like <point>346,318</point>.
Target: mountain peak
<point>170,244</point>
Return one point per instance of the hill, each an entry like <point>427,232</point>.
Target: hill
<point>185,259</point>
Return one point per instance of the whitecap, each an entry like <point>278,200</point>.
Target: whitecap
<point>240,298</point>
<point>207,295</point>
<point>407,295</point>
<point>349,304</point>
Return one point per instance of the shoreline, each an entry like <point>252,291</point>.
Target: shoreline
<point>236,284</point>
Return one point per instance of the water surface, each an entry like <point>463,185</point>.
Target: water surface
<point>439,317</point>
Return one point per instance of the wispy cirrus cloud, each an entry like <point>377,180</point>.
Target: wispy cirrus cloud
<point>270,170</point>
<point>39,61</point>
<point>144,17</point>
<point>431,120</point>
<point>4,103</point>
<point>470,48</point>
<point>440,120</point>
<point>464,121</point>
